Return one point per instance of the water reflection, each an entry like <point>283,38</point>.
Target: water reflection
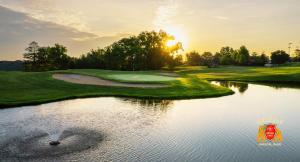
<point>213,129</point>
<point>282,85</point>
<point>150,104</point>
<point>240,86</point>
<point>243,86</point>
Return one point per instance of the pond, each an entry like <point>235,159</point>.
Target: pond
<point>118,129</point>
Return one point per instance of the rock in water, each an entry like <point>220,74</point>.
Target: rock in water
<point>54,143</point>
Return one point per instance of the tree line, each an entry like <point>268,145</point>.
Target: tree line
<point>241,57</point>
<point>146,51</point>
<point>46,58</point>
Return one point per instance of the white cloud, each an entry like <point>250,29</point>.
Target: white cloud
<point>164,14</point>
<point>46,10</point>
<point>18,29</point>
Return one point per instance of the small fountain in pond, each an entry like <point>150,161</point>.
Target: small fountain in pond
<point>49,134</point>
<point>54,143</point>
<point>55,136</point>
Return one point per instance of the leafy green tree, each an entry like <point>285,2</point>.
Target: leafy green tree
<point>279,57</point>
<point>58,58</point>
<point>242,56</point>
<point>42,59</point>
<point>93,59</point>
<point>147,51</point>
<point>226,55</point>
<point>207,59</point>
<point>193,58</point>
<point>258,60</point>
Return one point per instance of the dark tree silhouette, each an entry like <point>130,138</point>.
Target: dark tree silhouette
<point>279,57</point>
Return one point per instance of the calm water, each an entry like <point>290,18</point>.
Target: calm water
<point>215,129</point>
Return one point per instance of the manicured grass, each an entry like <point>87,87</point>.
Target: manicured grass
<point>141,77</point>
<point>282,74</point>
<point>29,88</point>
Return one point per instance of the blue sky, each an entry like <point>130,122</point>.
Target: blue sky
<point>202,25</point>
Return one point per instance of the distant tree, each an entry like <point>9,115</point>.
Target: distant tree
<point>226,56</point>
<point>242,56</point>
<point>279,57</point>
<point>43,59</point>
<point>297,55</point>
<point>297,52</point>
<point>93,59</point>
<point>207,59</point>
<point>193,58</point>
<point>258,60</point>
<point>30,55</point>
<point>154,48</point>
<point>31,51</point>
<point>46,58</point>
<point>146,51</point>
<point>174,60</point>
<point>58,58</point>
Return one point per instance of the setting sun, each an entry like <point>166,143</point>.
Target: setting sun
<point>179,36</point>
<point>171,43</point>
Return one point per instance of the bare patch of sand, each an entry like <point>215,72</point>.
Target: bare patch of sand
<point>90,80</point>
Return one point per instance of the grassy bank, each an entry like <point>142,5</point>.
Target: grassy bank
<point>282,74</point>
<point>29,88</point>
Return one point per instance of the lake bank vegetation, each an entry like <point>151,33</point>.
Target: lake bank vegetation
<point>141,59</point>
<point>146,51</point>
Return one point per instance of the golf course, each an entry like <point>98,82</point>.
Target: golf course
<point>184,82</point>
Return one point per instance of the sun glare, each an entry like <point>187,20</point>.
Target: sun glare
<point>179,35</point>
<point>171,43</point>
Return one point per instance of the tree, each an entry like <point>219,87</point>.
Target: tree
<point>258,60</point>
<point>207,59</point>
<point>30,55</point>
<point>242,56</point>
<point>146,51</point>
<point>279,57</point>
<point>226,55</point>
<point>58,58</point>
<point>43,59</point>
<point>297,55</point>
<point>46,58</point>
<point>174,60</point>
<point>193,58</point>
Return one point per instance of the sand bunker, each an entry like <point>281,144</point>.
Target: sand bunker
<point>89,80</point>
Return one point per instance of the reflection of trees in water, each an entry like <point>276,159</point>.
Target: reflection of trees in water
<point>151,104</point>
<point>242,87</point>
<point>282,85</point>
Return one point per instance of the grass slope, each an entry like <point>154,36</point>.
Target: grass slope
<point>282,74</point>
<point>29,88</point>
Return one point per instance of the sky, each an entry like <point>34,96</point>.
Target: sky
<point>201,25</point>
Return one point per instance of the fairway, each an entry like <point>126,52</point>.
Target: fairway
<point>140,77</point>
<point>30,88</point>
<point>27,88</point>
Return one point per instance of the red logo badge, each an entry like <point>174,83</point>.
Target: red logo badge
<point>270,131</point>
